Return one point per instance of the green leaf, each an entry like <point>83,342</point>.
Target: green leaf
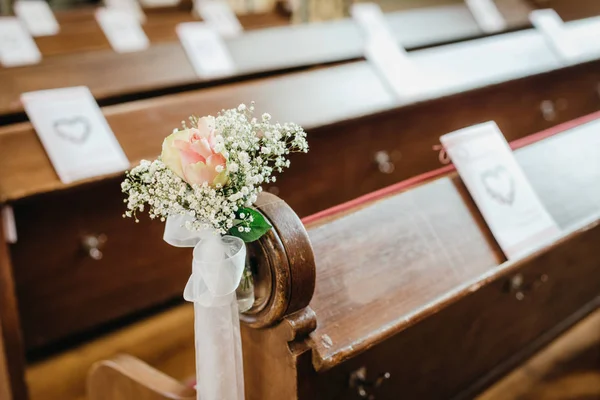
<point>258,227</point>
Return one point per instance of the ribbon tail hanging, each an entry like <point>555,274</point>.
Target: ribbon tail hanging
<point>217,269</point>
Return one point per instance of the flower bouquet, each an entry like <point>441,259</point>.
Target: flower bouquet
<point>204,185</point>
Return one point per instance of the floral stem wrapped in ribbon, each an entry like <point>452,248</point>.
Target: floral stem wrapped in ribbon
<point>204,185</point>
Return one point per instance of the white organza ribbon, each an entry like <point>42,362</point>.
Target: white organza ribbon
<point>217,269</point>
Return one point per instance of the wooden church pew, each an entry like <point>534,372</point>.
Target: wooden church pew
<point>258,52</point>
<point>84,33</point>
<point>398,291</point>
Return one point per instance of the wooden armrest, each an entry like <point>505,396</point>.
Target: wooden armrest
<point>125,378</point>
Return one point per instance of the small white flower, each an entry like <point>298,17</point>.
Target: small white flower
<point>240,229</point>
<point>232,167</point>
<point>242,215</point>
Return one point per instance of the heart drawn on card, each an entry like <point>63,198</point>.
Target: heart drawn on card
<point>499,184</point>
<point>75,130</point>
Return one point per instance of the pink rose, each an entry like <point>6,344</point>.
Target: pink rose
<point>190,154</point>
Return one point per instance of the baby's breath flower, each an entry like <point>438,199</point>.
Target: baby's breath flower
<point>253,149</point>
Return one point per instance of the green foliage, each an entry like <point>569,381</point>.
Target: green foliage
<point>250,226</point>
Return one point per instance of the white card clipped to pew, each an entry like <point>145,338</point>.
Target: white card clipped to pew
<point>37,17</point>
<point>205,49</point>
<point>513,211</point>
<point>17,47</point>
<point>122,29</point>
<point>220,16</point>
<point>130,6</point>
<point>385,54</point>
<point>487,15</point>
<point>551,25</point>
<point>74,132</point>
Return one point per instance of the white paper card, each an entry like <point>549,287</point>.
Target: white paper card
<point>205,49</point>
<point>130,6</point>
<point>394,66</point>
<point>8,224</point>
<point>383,52</point>
<point>74,132</point>
<point>549,23</point>
<point>220,16</point>
<point>515,215</point>
<point>17,47</point>
<point>37,17</point>
<point>487,15</point>
<point>122,29</point>
<point>371,20</point>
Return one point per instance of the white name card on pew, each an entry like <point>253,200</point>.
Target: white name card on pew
<point>513,211</point>
<point>37,17</point>
<point>383,51</point>
<point>371,20</point>
<point>551,25</point>
<point>122,29</point>
<point>130,6</point>
<point>487,15</point>
<point>74,132</point>
<point>17,47</point>
<point>220,16</point>
<point>205,49</point>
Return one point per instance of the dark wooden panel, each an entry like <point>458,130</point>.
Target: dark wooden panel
<point>62,289</point>
<point>12,358</point>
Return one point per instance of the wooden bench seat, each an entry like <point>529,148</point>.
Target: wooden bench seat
<point>398,291</point>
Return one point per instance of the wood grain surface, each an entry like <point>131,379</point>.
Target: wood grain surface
<point>429,239</point>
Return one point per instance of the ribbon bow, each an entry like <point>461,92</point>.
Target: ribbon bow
<point>217,266</point>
